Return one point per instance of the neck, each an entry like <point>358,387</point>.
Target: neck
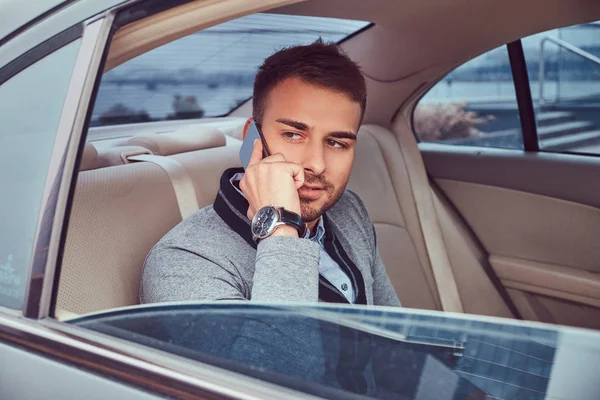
<point>312,225</point>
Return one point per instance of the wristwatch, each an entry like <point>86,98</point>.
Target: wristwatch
<point>269,218</point>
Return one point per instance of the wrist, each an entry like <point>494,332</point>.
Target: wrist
<point>285,230</point>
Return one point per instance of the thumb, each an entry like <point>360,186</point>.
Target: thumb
<point>257,153</point>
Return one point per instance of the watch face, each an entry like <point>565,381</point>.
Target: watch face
<point>264,222</point>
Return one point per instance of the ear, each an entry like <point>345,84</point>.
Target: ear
<point>248,122</point>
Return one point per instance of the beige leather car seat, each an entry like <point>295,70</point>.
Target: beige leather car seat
<point>380,177</point>
<point>120,212</point>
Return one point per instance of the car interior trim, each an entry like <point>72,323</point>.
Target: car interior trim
<point>144,35</point>
<point>144,9</point>
<point>544,173</point>
<point>484,262</point>
<point>549,276</point>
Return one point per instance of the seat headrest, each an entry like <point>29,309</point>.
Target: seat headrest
<point>89,159</point>
<point>182,141</point>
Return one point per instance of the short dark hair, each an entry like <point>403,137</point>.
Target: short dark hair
<point>321,64</point>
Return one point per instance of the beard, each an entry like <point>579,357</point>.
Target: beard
<point>331,194</point>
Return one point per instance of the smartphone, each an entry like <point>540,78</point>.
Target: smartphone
<point>252,133</point>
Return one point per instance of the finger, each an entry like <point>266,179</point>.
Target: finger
<point>243,184</point>
<point>256,155</point>
<point>297,172</point>
<point>299,179</point>
<point>275,158</point>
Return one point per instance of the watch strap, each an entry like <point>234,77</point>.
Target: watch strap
<point>292,219</point>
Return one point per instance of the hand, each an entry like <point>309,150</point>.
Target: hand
<point>272,181</point>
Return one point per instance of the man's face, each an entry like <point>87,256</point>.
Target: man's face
<point>315,128</point>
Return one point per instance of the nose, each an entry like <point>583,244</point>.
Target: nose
<point>314,161</point>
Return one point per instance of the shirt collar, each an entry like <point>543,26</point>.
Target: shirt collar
<point>319,234</point>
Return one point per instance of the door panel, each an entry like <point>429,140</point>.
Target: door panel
<point>547,174</point>
<point>580,285</point>
<point>538,219</point>
<point>529,226</point>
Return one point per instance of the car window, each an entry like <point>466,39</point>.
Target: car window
<point>31,106</point>
<point>206,74</point>
<point>335,352</point>
<point>564,73</point>
<point>474,105</point>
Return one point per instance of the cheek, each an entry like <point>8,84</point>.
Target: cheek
<point>339,167</point>
<point>292,152</point>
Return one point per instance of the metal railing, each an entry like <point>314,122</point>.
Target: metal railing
<point>567,46</point>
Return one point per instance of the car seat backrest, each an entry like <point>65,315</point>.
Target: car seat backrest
<point>118,214</point>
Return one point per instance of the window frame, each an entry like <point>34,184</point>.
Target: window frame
<point>520,96</point>
<point>9,71</point>
<point>522,84</point>
<point>60,174</point>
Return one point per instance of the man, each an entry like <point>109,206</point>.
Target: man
<point>309,102</point>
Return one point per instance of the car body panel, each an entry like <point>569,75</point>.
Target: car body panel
<point>26,375</point>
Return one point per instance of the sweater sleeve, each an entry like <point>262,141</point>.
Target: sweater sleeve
<point>177,273</point>
<point>286,269</point>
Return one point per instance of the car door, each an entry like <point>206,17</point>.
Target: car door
<point>512,139</point>
<point>38,94</point>
<point>48,73</point>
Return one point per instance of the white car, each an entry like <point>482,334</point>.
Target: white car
<point>478,161</point>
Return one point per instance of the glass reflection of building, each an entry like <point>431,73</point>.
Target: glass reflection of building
<point>505,361</point>
<point>508,362</point>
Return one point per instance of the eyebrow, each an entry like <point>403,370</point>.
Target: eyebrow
<point>343,135</point>
<point>303,127</point>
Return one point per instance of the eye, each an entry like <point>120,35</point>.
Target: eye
<point>337,145</point>
<point>292,135</point>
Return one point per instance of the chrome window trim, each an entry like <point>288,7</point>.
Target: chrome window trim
<point>61,168</point>
<point>147,368</point>
<point>10,311</point>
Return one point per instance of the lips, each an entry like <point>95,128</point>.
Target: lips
<point>310,193</point>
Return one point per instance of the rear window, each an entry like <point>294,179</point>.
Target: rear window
<point>206,74</point>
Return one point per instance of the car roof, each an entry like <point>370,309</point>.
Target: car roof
<point>15,15</point>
